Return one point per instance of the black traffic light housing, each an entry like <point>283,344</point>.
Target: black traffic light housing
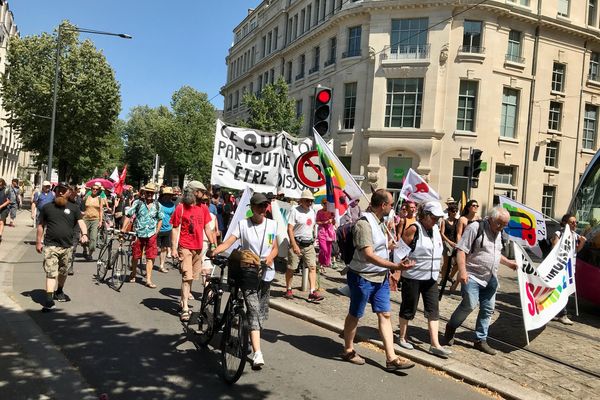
<point>322,110</point>
<point>475,167</point>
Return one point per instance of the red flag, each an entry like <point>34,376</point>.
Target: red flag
<point>119,187</point>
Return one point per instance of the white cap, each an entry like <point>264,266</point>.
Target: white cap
<point>434,208</point>
<point>307,195</point>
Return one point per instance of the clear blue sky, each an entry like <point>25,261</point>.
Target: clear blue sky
<point>175,43</point>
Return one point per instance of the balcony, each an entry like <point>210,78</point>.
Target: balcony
<point>593,80</point>
<point>406,54</point>
<point>329,62</point>
<point>471,53</point>
<point>351,53</point>
<point>514,61</point>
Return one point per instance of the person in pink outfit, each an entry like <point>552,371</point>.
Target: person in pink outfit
<point>325,234</point>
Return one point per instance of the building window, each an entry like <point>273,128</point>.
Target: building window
<point>264,46</point>
<point>590,127</point>
<point>409,38</point>
<point>472,37</point>
<point>288,77</point>
<point>510,108</point>
<point>514,47</point>
<point>270,43</point>
<point>295,28</point>
<point>349,105</point>
<point>558,77</point>
<point>317,8</point>
<point>275,35</point>
<point>467,103</point>
<point>555,116</point>
<point>298,108</point>
<point>272,76</point>
<point>229,101</point>
<point>303,27</point>
<point>308,15</point>
<point>354,35</point>
<point>251,88</point>
<point>460,178</point>
<point>505,175</point>
<point>548,195</point>
<point>316,60</point>
<point>592,9</point>
<point>260,83</point>
<point>301,66</point>
<point>563,7</point>
<point>552,154</point>
<point>594,73</point>
<point>236,101</point>
<point>403,104</point>
<point>332,51</point>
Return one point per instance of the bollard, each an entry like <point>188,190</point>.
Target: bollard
<point>305,287</point>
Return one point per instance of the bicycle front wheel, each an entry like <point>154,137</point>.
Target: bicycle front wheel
<point>104,260</point>
<point>234,345</point>
<point>204,325</point>
<point>119,271</point>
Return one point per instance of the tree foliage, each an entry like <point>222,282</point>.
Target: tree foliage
<point>88,101</point>
<point>272,110</point>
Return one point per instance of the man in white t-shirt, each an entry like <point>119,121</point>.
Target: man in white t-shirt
<point>301,232</point>
<point>259,235</point>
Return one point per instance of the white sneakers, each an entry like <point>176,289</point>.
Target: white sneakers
<point>258,360</point>
<point>565,320</point>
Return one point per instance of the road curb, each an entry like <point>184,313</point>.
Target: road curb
<point>474,376</point>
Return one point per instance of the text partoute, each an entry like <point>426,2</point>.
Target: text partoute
<point>249,158</point>
<point>545,289</point>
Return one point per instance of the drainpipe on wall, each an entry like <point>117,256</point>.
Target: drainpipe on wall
<point>536,46</point>
<point>575,180</point>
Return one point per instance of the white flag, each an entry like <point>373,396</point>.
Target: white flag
<point>417,190</point>
<point>242,212</point>
<point>114,176</point>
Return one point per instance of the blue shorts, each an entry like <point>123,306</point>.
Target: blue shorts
<point>363,291</point>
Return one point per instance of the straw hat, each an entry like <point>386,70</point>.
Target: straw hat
<point>307,195</point>
<point>167,190</point>
<point>150,187</point>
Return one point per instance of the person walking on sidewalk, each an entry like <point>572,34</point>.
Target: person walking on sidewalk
<point>148,221</point>
<point>478,257</point>
<point>93,215</point>
<point>301,232</point>
<point>325,234</point>
<point>15,201</point>
<point>425,241</point>
<point>164,236</point>
<point>40,199</point>
<point>258,239</point>
<point>368,281</point>
<point>191,221</point>
<point>4,205</point>
<point>59,219</point>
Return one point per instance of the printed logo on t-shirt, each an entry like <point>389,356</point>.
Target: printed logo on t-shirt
<point>67,211</point>
<point>270,238</point>
<point>309,222</point>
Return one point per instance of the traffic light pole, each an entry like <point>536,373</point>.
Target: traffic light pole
<point>470,174</point>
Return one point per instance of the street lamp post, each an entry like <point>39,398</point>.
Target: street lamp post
<point>56,74</point>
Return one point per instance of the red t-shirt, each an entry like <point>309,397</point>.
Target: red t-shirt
<point>192,221</point>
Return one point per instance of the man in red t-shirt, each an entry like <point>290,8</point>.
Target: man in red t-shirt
<point>190,222</point>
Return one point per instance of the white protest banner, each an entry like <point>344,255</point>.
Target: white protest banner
<point>526,226</point>
<point>281,212</point>
<point>243,211</point>
<point>265,162</point>
<point>416,189</point>
<point>545,290</point>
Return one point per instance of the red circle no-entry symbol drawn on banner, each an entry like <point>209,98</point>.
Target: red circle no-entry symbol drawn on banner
<point>307,169</point>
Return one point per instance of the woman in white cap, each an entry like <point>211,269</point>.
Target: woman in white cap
<point>425,241</point>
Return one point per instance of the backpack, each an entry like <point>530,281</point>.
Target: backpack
<point>506,250</point>
<point>345,241</point>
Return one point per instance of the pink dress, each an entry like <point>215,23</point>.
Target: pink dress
<point>325,236</point>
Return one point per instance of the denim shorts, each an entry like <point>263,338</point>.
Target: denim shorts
<point>363,291</point>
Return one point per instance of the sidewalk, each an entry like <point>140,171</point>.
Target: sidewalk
<point>514,372</point>
<point>31,366</point>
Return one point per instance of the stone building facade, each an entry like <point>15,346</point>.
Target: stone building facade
<point>417,84</point>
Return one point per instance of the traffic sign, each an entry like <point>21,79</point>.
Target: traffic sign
<point>308,170</point>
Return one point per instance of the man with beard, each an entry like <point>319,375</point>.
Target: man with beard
<point>191,221</point>
<point>59,219</point>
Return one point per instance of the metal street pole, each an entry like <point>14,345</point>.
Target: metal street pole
<point>55,90</point>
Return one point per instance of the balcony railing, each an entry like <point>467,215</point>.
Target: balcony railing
<point>351,53</point>
<point>471,49</point>
<point>515,59</point>
<point>329,62</point>
<point>313,69</point>
<point>300,75</point>
<point>409,52</point>
<point>594,77</point>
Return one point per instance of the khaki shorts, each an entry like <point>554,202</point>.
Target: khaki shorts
<point>308,256</point>
<point>57,260</point>
<point>191,264</point>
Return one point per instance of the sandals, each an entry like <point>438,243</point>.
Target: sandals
<point>353,358</point>
<point>131,278</point>
<point>185,315</point>
<point>397,364</point>
<point>150,285</point>
<point>163,270</point>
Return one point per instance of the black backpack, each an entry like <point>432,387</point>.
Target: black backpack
<point>480,228</point>
<point>345,240</point>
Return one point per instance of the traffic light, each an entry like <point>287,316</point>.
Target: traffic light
<point>475,167</point>
<point>322,111</point>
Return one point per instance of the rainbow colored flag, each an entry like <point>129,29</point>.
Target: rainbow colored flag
<point>340,187</point>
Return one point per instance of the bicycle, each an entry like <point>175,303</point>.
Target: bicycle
<point>209,320</point>
<point>105,257</point>
<point>120,262</point>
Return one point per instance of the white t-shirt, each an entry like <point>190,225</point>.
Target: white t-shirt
<point>259,239</point>
<point>303,222</point>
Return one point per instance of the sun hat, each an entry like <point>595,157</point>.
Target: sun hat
<point>258,198</point>
<point>46,183</point>
<point>167,190</point>
<point>434,208</point>
<point>307,195</point>
<point>196,185</point>
<point>150,187</point>
<point>450,200</point>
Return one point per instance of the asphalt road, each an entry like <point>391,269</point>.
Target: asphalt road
<point>131,345</point>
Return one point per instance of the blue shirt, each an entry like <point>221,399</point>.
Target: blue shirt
<point>41,199</point>
<point>167,207</point>
<point>146,218</point>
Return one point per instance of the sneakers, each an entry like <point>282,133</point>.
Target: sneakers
<point>565,320</point>
<point>398,364</point>
<point>258,360</point>
<point>439,352</point>
<point>404,344</point>
<point>449,335</point>
<point>289,294</point>
<point>484,348</point>
<point>61,297</point>
<point>315,296</point>
<point>48,305</point>
<point>353,358</point>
